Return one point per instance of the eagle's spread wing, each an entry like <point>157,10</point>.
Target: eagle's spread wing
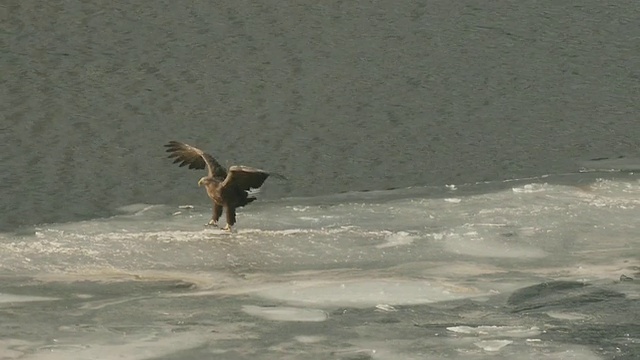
<point>196,159</point>
<point>245,178</point>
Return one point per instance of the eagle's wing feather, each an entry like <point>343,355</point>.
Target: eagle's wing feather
<point>196,159</point>
<point>245,178</point>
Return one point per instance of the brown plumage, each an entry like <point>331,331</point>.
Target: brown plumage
<point>227,189</point>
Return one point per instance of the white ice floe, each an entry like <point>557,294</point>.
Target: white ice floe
<point>530,188</point>
<point>362,293</point>
<point>492,345</point>
<point>473,244</point>
<point>12,298</point>
<point>397,239</point>
<point>504,331</point>
<point>280,313</point>
<point>567,315</point>
<point>309,339</point>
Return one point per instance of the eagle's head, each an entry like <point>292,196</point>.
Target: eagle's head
<point>204,181</point>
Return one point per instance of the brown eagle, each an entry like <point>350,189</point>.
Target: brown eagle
<point>227,189</point>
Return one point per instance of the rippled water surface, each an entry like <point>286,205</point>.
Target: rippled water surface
<point>338,96</point>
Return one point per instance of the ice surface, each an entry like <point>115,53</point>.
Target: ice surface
<point>135,348</point>
<point>493,345</point>
<point>280,313</point>
<point>12,298</point>
<point>567,315</point>
<point>363,293</point>
<point>472,243</point>
<point>520,270</point>
<point>397,239</point>
<point>512,331</point>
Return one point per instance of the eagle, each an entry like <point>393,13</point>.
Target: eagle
<point>227,189</point>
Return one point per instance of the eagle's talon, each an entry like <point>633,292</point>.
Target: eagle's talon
<point>212,223</point>
<point>227,228</point>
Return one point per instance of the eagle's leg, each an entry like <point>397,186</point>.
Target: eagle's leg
<point>231,218</point>
<point>217,211</point>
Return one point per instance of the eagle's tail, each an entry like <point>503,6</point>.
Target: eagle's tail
<point>247,200</point>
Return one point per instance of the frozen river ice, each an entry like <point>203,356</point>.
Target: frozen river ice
<point>532,269</point>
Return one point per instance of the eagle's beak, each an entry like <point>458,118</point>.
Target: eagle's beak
<point>199,182</point>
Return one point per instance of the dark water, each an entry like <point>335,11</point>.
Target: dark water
<point>336,95</point>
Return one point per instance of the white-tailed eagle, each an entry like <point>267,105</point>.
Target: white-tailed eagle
<point>227,189</point>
